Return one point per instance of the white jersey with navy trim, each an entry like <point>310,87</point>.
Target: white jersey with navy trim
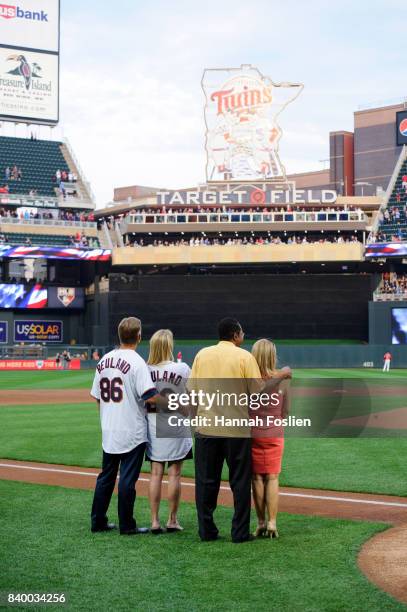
<point>168,377</point>
<point>122,383</point>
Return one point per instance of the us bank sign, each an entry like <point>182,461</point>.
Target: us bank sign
<point>242,107</point>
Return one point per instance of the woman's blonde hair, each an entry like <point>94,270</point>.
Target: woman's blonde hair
<point>264,352</point>
<point>161,347</point>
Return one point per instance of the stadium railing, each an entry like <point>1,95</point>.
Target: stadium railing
<point>250,253</point>
<point>48,222</point>
<point>245,217</point>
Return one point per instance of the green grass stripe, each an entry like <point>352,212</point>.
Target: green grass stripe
<point>70,434</point>
<point>47,547</point>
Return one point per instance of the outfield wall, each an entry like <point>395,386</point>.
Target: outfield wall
<point>322,356</point>
<point>296,356</point>
<point>285,306</point>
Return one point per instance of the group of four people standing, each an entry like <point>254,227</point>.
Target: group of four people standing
<point>131,394</point>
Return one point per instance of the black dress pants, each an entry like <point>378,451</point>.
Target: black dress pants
<point>130,465</point>
<point>210,454</point>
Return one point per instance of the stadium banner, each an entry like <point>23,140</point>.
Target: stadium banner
<point>3,332</point>
<point>250,195</point>
<point>23,296</point>
<point>242,132</point>
<point>55,253</point>
<point>29,86</point>
<point>66,297</point>
<point>386,249</point>
<point>31,24</point>
<point>37,364</point>
<point>401,128</point>
<point>31,331</point>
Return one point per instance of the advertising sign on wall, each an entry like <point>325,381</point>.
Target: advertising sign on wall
<point>3,332</point>
<point>29,61</point>
<point>36,364</point>
<point>28,85</point>
<point>29,331</point>
<point>31,24</point>
<point>401,128</point>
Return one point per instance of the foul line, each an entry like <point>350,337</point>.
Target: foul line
<point>191,484</point>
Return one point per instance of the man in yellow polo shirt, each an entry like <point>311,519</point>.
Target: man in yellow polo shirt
<point>225,360</point>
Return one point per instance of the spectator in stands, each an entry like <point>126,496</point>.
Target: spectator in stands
<point>7,174</point>
<point>28,242</point>
<point>58,176</point>
<point>62,189</point>
<point>4,189</point>
<point>2,239</point>
<point>404,182</point>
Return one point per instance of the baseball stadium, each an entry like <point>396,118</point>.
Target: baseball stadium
<point>313,261</point>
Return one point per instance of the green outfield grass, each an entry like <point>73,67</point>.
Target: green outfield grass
<point>83,378</point>
<point>47,547</point>
<point>70,434</point>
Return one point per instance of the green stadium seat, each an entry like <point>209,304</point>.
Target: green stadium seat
<point>38,160</point>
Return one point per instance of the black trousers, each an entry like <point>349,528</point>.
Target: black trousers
<point>210,454</point>
<point>130,465</point>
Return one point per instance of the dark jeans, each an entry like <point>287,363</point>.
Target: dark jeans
<point>210,454</point>
<point>130,465</point>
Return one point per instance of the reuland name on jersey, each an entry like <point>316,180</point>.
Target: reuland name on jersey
<point>109,362</point>
<point>168,377</point>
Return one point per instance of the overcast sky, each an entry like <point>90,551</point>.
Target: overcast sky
<point>131,101</point>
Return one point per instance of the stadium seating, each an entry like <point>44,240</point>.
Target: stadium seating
<point>392,228</point>
<point>38,160</point>
<point>43,240</point>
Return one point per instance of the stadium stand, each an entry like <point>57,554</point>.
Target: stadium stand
<point>44,199</point>
<point>38,161</point>
<point>392,218</point>
<point>392,287</point>
<point>48,240</point>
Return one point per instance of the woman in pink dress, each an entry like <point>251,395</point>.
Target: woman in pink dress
<point>268,444</point>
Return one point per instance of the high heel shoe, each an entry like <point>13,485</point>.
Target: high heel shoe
<point>271,532</point>
<point>260,532</point>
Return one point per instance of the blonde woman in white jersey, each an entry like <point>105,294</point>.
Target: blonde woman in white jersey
<point>167,377</point>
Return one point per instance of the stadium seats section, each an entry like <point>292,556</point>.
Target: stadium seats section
<point>38,161</point>
<point>37,239</point>
<point>394,224</point>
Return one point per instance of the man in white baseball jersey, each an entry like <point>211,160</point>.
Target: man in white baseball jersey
<point>121,387</point>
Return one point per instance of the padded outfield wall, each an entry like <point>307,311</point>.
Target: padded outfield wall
<point>277,306</point>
